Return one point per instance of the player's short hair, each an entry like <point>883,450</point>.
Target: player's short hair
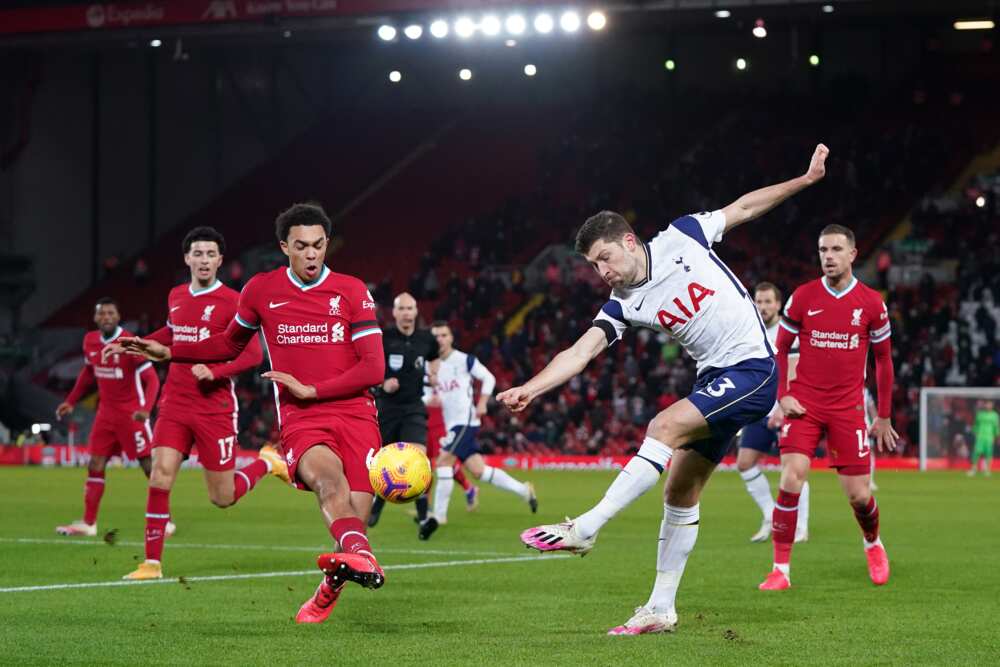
<point>768,287</point>
<point>306,214</point>
<point>838,229</point>
<point>604,226</point>
<point>105,301</point>
<point>440,323</point>
<point>204,234</point>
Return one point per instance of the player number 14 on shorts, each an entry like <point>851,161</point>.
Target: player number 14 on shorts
<point>862,443</point>
<point>226,448</point>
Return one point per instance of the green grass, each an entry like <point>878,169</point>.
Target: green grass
<point>940,529</point>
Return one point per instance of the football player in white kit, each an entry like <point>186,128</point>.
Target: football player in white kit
<point>674,284</point>
<point>461,413</point>
<point>758,439</point>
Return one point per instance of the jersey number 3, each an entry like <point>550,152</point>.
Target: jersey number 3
<point>720,388</point>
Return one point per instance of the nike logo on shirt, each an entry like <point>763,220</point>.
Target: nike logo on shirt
<point>640,303</point>
<point>272,304</point>
<point>814,312</point>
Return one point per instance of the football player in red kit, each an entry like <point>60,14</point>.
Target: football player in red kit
<point>198,408</point>
<point>325,349</point>
<point>127,388</point>
<point>836,318</point>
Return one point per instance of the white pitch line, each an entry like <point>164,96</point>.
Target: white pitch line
<point>268,575</point>
<point>244,547</point>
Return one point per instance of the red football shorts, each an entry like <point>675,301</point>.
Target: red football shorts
<point>848,448</point>
<point>214,437</point>
<point>116,433</point>
<point>353,438</point>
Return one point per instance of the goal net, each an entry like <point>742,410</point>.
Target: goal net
<point>947,415</point>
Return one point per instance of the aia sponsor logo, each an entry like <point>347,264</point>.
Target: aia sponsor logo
<point>696,294</point>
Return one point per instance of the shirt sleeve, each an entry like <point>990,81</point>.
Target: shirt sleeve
<point>791,317</point>
<point>247,310</point>
<point>611,320</point>
<point>879,327</point>
<point>481,373</point>
<point>363,322</point>
<point>705,228</point>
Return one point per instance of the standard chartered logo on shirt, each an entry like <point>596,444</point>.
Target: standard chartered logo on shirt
<point>310,334</point>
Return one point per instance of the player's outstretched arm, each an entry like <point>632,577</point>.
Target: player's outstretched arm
<point>251,357</point>
<point>563,366</point>
<point>367,371</point>
<point>757,203</point>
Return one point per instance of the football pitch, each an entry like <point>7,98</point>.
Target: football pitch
<point>473,594</point>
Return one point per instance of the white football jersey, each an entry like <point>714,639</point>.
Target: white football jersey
<point>689,293</point>
<point>454,386</point>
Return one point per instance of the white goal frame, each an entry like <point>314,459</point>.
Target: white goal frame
<point>961,392</point>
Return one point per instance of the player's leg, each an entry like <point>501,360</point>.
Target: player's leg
<point>102,444</point>
<point>987,458</point>
<point>216,440</point>
<point>688,474</point>
<point>413,429</point>
<point>854,480</point>
<point>794,472</point>
<point>756,441</point>
<point>499,478</point>
<point>166,463</point>
<point>974,459</point>
<point>802,525</point>
<point>444,484</point>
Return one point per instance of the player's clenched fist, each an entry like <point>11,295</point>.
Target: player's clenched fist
<point>202,372</point>
<point>301,391</point>
<point>145,348</point>
<point>515,398</point>
<point>791,406</point>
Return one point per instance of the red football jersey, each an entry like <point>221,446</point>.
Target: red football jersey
<point>834,331</point>
<point>119,386</point>
<point>309,330</point>
<point>194,316</point>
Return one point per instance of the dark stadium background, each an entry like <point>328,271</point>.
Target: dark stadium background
<point>467,192</point>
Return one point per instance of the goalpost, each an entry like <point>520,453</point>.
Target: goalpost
<point>946,418</point>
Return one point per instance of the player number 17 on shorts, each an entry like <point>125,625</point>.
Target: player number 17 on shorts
<point>226,448</point>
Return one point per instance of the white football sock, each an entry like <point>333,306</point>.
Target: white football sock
<point>500,479</point>
<point>802,526</point>
<point>442,492</point>
<point>678,533</point>
<point>639,475</point>
<point>759,489</point>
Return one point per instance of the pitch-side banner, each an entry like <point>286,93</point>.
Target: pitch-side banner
<point>76,455</point>
<point>117,15</point>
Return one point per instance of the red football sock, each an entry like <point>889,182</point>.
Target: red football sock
<point>157,516</point>
<point>460,477</point>
<point>783,520</point>
<point>93,489</point>
<point>246,478</point>
<point>350,535</point>
<point>867,516</point>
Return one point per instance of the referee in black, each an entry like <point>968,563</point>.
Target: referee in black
<point>410,354</point>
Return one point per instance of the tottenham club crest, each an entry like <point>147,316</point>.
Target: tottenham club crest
<point>856,317</point>
<point>207,315</point>
<point>335,305</point>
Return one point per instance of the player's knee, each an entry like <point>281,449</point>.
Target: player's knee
<point>858,498</point>
<point>221,500</point>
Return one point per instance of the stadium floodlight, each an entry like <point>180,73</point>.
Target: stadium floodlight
<point>530,70</point>
<point>510,43</point>
<point>155,43</point>
<point>386,33</point>
<point>569,21</point>
<point>597,20</point>
<point>981,201</point>
<point>669,65</point>
<point>974,24</point>
<point>413,31</point>
<point>741,64</point>
<point>395,76</point>
<point>544,23</point>
<point>516,24</point>
<point>722,13</point>
<point>465,27</point>
<point>827,9</point>
<point>465,74</point>
<point>490,25</point>
<point>814,60</point>
<point>759,31</point>
<point>286,34</point>
<point>439,29</point>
